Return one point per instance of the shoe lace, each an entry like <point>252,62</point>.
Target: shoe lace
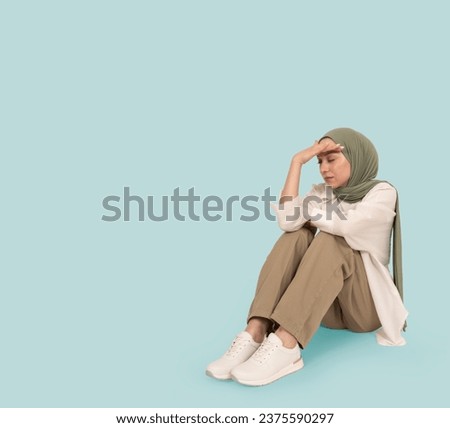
<point>264,351</point>
<point>237,346</point>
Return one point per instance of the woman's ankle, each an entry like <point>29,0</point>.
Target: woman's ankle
<point>288,340</point>
<point>258,327</point>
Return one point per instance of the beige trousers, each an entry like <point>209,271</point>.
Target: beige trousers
<point>311,279</point>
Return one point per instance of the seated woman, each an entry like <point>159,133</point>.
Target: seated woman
<point>338,277</point>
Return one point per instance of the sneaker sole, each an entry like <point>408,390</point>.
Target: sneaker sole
<point>219,377</point>
<point>298,365</point>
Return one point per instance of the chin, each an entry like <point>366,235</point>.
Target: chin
<point>333,186</point>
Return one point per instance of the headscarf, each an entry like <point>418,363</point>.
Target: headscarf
<point>363,159</point>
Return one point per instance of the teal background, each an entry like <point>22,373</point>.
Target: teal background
<point>215,95</point>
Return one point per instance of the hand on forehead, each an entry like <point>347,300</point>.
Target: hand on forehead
<point>328,146</point>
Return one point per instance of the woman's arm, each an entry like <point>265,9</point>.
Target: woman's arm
<point>289,215</point>
<point>290,189</point>
<point>367,227</point>
<point>291,186</point>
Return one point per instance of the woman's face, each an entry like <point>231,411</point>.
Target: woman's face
<point>334,168</point>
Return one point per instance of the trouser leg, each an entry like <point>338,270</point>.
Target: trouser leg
<point>353,307</point>
<point>330,285</point>
<point>278,270</point>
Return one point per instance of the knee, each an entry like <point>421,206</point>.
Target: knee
<point>303,232</point>
<point>327,239</point>
<point>303,236</point>
<point>325,236</point>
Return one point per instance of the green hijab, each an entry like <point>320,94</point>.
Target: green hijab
<point>363,158</point>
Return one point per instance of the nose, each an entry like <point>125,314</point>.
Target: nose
<point>323,167</point>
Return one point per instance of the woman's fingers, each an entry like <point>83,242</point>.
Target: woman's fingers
<point>325,145</point>
<point>329,145</point>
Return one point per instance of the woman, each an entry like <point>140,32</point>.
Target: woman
<point>338,277</point>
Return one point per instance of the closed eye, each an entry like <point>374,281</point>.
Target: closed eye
<point>328,160</point>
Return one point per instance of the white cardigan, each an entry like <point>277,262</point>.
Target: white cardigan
<point>366,226</point>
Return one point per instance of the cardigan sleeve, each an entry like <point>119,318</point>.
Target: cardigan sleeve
<point>366,226</point>
<point>293,214</point>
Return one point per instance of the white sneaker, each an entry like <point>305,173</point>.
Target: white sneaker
<point>241,349</point>
<point>270,362</point>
